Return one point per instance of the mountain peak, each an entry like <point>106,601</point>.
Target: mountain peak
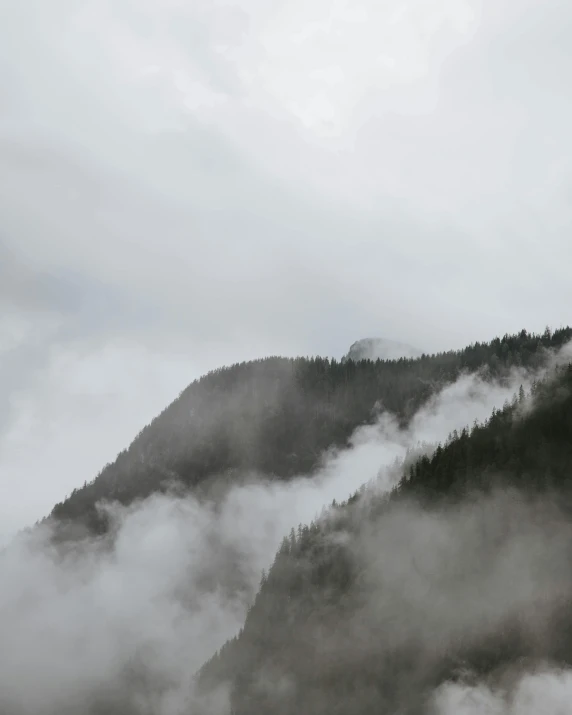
<point>381,349</point>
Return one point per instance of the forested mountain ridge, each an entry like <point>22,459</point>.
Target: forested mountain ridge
<point>463,568</point>
<point>277,416</point>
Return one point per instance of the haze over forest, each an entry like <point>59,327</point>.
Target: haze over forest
<point>285,357</point>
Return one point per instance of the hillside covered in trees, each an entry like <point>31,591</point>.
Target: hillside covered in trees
<point>462,573</point>
<point>277,416</point>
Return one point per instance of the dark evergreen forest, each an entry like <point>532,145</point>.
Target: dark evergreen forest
<point>325,636</point>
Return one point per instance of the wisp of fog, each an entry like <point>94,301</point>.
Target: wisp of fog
<point>125,620</point>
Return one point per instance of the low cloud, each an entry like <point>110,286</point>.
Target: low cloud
<point>131,616</point>
<point>484,583</point>
<point>547,691</point>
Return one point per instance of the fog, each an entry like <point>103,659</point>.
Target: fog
<point>458,575</point>
<point>447,582</point>
<point>483,581</point>
<point>543,691</point>
<point>189,184</point>
<point>125,620</point>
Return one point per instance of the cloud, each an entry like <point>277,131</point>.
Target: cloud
<point>547,691</point>
<point>223,180</point>
<point>186,185</point>
<point>454,577</point>
<point>113,622</point>
<point>132,616</point>
<point>268,181</point>
<point>90,406</point>
<point>432,585</point>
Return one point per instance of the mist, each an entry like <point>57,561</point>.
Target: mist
<point>479,582</point>
<point>184,184</point>
<point>158,155</point>
<point>485,582</point>
<point>125,620</point>
<point>544,691</point>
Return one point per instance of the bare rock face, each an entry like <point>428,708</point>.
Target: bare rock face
<point>381,349</point>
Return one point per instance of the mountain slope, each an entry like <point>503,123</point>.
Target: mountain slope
<point>464,568</point>
<point>277,417</point>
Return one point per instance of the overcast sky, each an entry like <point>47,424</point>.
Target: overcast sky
<point>188,183</point>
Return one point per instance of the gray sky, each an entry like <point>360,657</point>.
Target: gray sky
<point>187,184</point>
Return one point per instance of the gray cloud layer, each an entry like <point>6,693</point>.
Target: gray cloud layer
<point>188,184</point>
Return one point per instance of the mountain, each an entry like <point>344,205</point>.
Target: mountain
<point>458,581</point>
<point>277,417</point>
<point>375,606</point>
<point>381,349</point>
